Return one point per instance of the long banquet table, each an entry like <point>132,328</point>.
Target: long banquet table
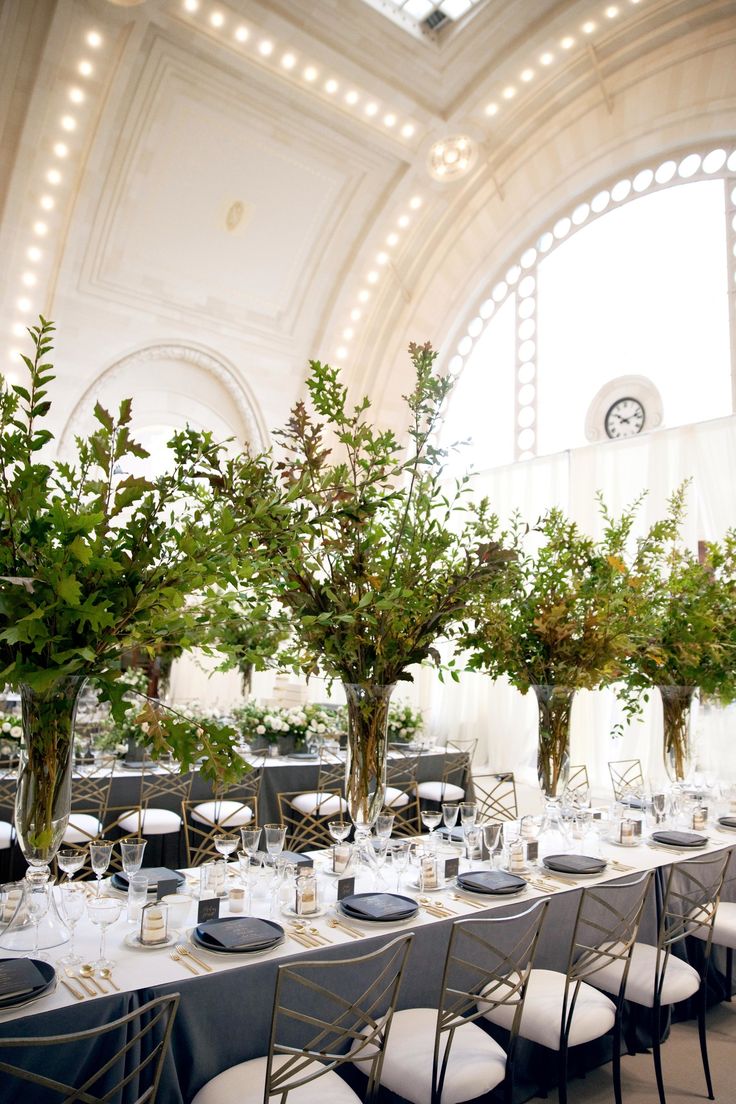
<point>224,1016</point>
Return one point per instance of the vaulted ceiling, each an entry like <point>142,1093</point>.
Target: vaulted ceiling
<point>236,186</point>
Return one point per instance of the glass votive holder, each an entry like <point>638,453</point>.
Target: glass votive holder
<point>137,896</point>
<point>212,880</point>
<point>179,906</point>
<point>236,899</point>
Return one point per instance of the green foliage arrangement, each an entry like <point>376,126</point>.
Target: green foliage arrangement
<point>248,631</point>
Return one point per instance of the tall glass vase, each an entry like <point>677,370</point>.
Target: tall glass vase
<point>554,704</point>
<point>366,751</point>
<point>678,746</point>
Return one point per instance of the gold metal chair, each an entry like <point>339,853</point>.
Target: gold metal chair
<point>456,771</point>
<point>200,831</point>
<point>120,1059</point>
<point>305,822</point>
<point>90,798</point>
<point>604,932</point>
<point>495,795</point>
<point>578,778</point>
<point>440,1052</point>
<point>326,1013</point>
<point>401,797</point>
<point>626,777</point>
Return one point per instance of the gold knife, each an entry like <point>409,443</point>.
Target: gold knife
<point>72,990</point>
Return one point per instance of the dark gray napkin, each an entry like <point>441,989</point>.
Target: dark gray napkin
<point>575,864</point>
<point>680,839</point>
<point>490,881</point>
<point>155,874</point>
<point>727,822</point>
<point>379,906</point>
<point>235,933</point>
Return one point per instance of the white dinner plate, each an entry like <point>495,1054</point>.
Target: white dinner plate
<point>132,939</point>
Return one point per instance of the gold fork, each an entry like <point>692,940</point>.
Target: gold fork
<point>186,953</point>
<point>187,965</point>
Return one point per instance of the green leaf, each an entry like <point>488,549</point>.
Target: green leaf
<point>69,590</point>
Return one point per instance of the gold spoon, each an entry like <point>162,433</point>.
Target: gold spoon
<point>344,927</point>
<point>87,970</point>
<point>436,904</point>
<point>106,975</point>
<point>306,929</point>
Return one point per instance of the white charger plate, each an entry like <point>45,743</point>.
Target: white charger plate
<point>132,939</point>
<point>376,925</point>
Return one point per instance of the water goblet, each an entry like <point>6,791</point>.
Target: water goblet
<point>104,911</point>
<point>37,903</point>
<point>225,845</point>
<point>468,813</point>
<point>249,837</point>
<point>70,860</point>
<point>339,829</point>
<point>100,854</point>
<point>384,825</point>
<point>131,853</point>
<point>72,899</point>
<point>378,849</point>
<point>450,814</point>
<point>275,838</point>
<point>491,835</point>
<point>431,819</point>
<point>659,805</point>
<point>471,836</point>
<point>400,852</point>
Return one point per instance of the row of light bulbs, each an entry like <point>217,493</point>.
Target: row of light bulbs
<point>310,73</point>
<point>68,124</point>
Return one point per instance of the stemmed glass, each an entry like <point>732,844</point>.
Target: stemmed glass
<point>339,829</point>
<point>100,854</point>
<point>70,861</point>
<point>225,845</point>
<point>399,859</point>
<point>468,814</point>
<point>38,906</point>
<point>491,834</point>
<point>450,815</point>
<point>104,911</point>
<point>384,825</point>
<point>659,804</point>
<point>275,838</point>
<point>431,819</point>
<point>378,849</point>
<point>73,900</point>
<point>131,851</point>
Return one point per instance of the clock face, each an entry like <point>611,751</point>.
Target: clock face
<point>625,418</point>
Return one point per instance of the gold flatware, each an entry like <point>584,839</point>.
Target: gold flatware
<point>187,965</point>
<point>334,923</point>
<point>89,989</point>
<point>302,940</point>
<point>310,930</point>
<point>620,866</point>
<point>106,974</point>
<point>87,970</point>
<point>467,901</point>
<point>71,988</point>
<point>436,904</point>
<point>190,954</point>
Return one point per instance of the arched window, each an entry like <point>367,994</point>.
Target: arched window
<point>629,295</point>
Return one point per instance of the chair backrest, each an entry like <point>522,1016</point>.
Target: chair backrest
<point>487,965</point>
<point>626,776</point>
<point>8,790</point>
<point>200,829</point>
<point>168,781</point>
<point>331,772</point>
<point>307,830</point>
<point>605,930</point>
<point>690,903</point>
<point>331,1012</point>
<point>95,1066</point>
<point>248,788</point>
<point>495,796</point>
<point>458,761</point>
<point>578,778</point>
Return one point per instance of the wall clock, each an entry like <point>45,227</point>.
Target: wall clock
<point>623,408</point>
<point>624,418</point>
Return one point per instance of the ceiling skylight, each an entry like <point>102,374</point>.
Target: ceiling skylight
<point>420,16</point>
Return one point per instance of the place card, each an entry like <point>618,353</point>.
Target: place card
<point>18,977</point>
<point>167,885</point>
<point>345,887</point>
<point>532,850</point>
<point>452,868</point>
<point>209,909</point>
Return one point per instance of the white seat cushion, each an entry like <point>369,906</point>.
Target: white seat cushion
<point>152,822</point>
<point>594,1013</point>
<point>396,799</point>
<point>7,835</point>
<point>329,804</point>
<point>476,1064</point>
<point>680,979</point>
<point>245,1084</point>
<point>82,828</point>
<point>724,929</point>
<point>230,813</point>
<point>440,791</point>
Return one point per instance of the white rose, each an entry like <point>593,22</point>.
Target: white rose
<point>16,731</point>
<point>260,729</point>
<point>144,726</point>
<point>321,728</point>
<point>402,732</point>
<point>6,726</point>
<point>121,748</point>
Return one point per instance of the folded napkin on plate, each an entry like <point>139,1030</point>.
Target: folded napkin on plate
<point>240,933</point>
<point>155,874</point>
<point>490,881</point>
<point>575,864</point>
<point>633,802</point>
<point>19,977</point>
<point>727,822</point>
<point>379,906</point>
<point>680,839</point>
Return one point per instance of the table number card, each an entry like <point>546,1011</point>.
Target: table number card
<point>452,868</point>
<point>532,850</point>
<point>209,909</point>
<point>166,885</point>
<point>345,888</point>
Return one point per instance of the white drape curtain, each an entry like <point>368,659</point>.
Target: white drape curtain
<point>503,720</point>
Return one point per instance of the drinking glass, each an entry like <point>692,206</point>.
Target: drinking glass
<point>104,911</point>
<point>339,829</point>
<point>137,897</point>
<point>99,858</point>
<point>431,819</point>
<point>37,905</point>
<point>70,861</point>
<point>468,813</point>
<point>379,849</point>
<point>659,804</point>
<point>249,837</point>
<point>275,838</point>
<point>491,835</point>
<point>131,851</point>
<point>472,839</point>
<point>72,899</point>
<point>399,859</point>
<point>225,845</point>
<point>384,825</point>
<point>450,815</point>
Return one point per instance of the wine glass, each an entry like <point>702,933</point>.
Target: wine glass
<point>249,838</point>
<point>72,899</point>
<point>339,829</point>
<point>378,850</point>
<point>384,825</point>
<point>450,814</point>
<point>37,903</point>
<point>275,838</point>
<point>659,804</point>
<point>491,834</point>
<point>225,845</point>
<point>131,851</point>
<point>104,911</point>
<point>100,854</point>
<point>70,861</point>
<point>399,859</point>
<point>431,819</point>
<point>468,814</point>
